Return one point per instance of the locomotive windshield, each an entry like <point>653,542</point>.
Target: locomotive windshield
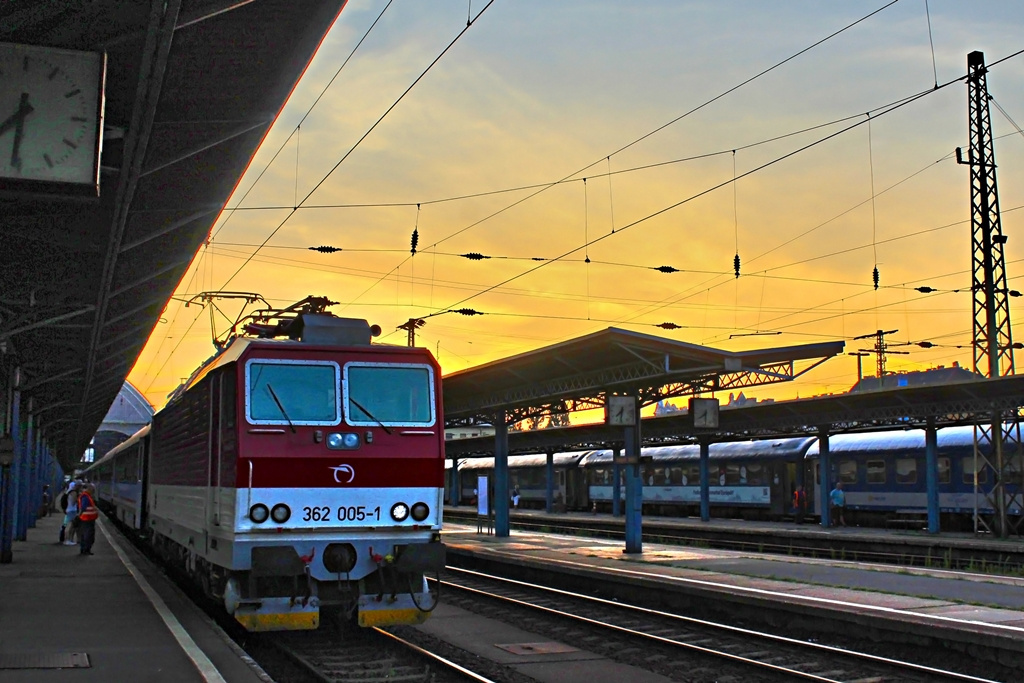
<point>303,393</point>
<point>396,395</point>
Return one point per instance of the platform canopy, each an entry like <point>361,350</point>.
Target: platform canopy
<point>580,373</point>
<point>192,87</point>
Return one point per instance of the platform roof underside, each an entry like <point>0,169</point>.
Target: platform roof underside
<point>192,87</point>
<point>580,373</point>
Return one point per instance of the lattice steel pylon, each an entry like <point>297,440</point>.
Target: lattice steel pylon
<point>996,442</point>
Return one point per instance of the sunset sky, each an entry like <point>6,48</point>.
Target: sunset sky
<point>540,91</point>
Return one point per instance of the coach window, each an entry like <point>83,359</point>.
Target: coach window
<point>876,471</point>
<point>756,475</point>
<point>391,394</point>
<point>943,470</point>
<point>296,392</point>
<point>906,471</point>
<point>848,471</point>
<point>968,468</point>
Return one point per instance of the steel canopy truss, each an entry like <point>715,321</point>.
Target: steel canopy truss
<point>192,88</point>
<point>581,373</point>
<point>903,408</point>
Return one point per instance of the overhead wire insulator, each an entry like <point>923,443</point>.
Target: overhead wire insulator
<point>415,241</point>
<point>925,344</point>
<point>925,289</point>
<point>538,258</point>
<point>666,269</point>
<point>736,264</point>
<point>669,326</point>
<point>474,256</point>
<point>325,249</point>
<point>874,276</point>
<point>466,311</point>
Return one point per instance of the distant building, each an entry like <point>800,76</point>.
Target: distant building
<point>919,378</point>
<point>129,413</point>
<point>451,433</point>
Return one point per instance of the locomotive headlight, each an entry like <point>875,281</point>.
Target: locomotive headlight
<point>280,513</point>
<point>420,511</point>
<point>399,512</point>
<point>259,513</point>
<point>342,442</point>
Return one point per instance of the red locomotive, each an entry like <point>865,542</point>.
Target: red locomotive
<point>292,474</point>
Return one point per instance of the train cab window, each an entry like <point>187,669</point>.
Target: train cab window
<point>968,469</point>
<point>299,392</point>
<point>943,470</point>
<point>848,471</point>
<point>876,471</point>
<point>392,394</point>
<point>906,471</point>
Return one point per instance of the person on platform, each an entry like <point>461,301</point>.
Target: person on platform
<point>837,504</point>
<point>87,515</point>
<point>70,527</point>
<point>44,510</point>
<point>515,497</point>
<point>799,504</point>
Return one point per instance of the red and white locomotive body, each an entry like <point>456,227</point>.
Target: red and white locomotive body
<point>289,475</point>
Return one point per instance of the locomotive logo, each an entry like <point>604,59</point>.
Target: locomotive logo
<point>343,470</point>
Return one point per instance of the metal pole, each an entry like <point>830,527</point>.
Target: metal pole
<point>18,470</point>
<point>6,516</point>
<point>931,464</point>
<point>824,476</point>
<point>705,480</point>
<point>501,491</point>
<point>616,484</point>
<point>549,501</point>
<point>32,480</point>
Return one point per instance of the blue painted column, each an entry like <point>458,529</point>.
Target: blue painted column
<point>501,492</point>
<point>453,484</point>
<point>634,488</point>
<point>616,483</point>
<point>931,468</point>
<point>19,470</point>
<point>549,476</point>
<point>32,480</point>
<point>705,480</point>
<point>824,476</point>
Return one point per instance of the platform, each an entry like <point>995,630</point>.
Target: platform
<point>972,609</point>
<point>108,617</point>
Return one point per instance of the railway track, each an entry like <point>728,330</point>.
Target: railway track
<point>624,627</point>
<point>368,656</point>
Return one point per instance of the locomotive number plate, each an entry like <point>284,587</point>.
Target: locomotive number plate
<point>345,513</point>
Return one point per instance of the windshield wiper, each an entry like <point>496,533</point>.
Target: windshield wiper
<point>369,414</point>
<point>273,394</point>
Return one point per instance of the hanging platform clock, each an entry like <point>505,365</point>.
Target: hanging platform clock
<point>51,120</point>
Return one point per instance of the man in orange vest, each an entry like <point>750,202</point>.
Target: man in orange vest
<point>799,504</point>
<point>87,514</point>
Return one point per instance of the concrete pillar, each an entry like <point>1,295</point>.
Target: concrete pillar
<point>705,480</point>
<point>931,468</point>
<point>500,499</point>
<point>824,476</point>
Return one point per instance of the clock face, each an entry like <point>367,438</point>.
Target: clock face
<point>49,114</point>
<point>621,410</point>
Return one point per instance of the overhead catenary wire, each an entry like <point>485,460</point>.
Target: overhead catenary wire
<point>361,139</point>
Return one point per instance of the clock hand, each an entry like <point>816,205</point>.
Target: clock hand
<point>17,120</point>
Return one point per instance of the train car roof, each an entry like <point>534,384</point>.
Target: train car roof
<point>766,449</point>
<point>532,460</point>
<point>902,440</point>
<point>128,443</point>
